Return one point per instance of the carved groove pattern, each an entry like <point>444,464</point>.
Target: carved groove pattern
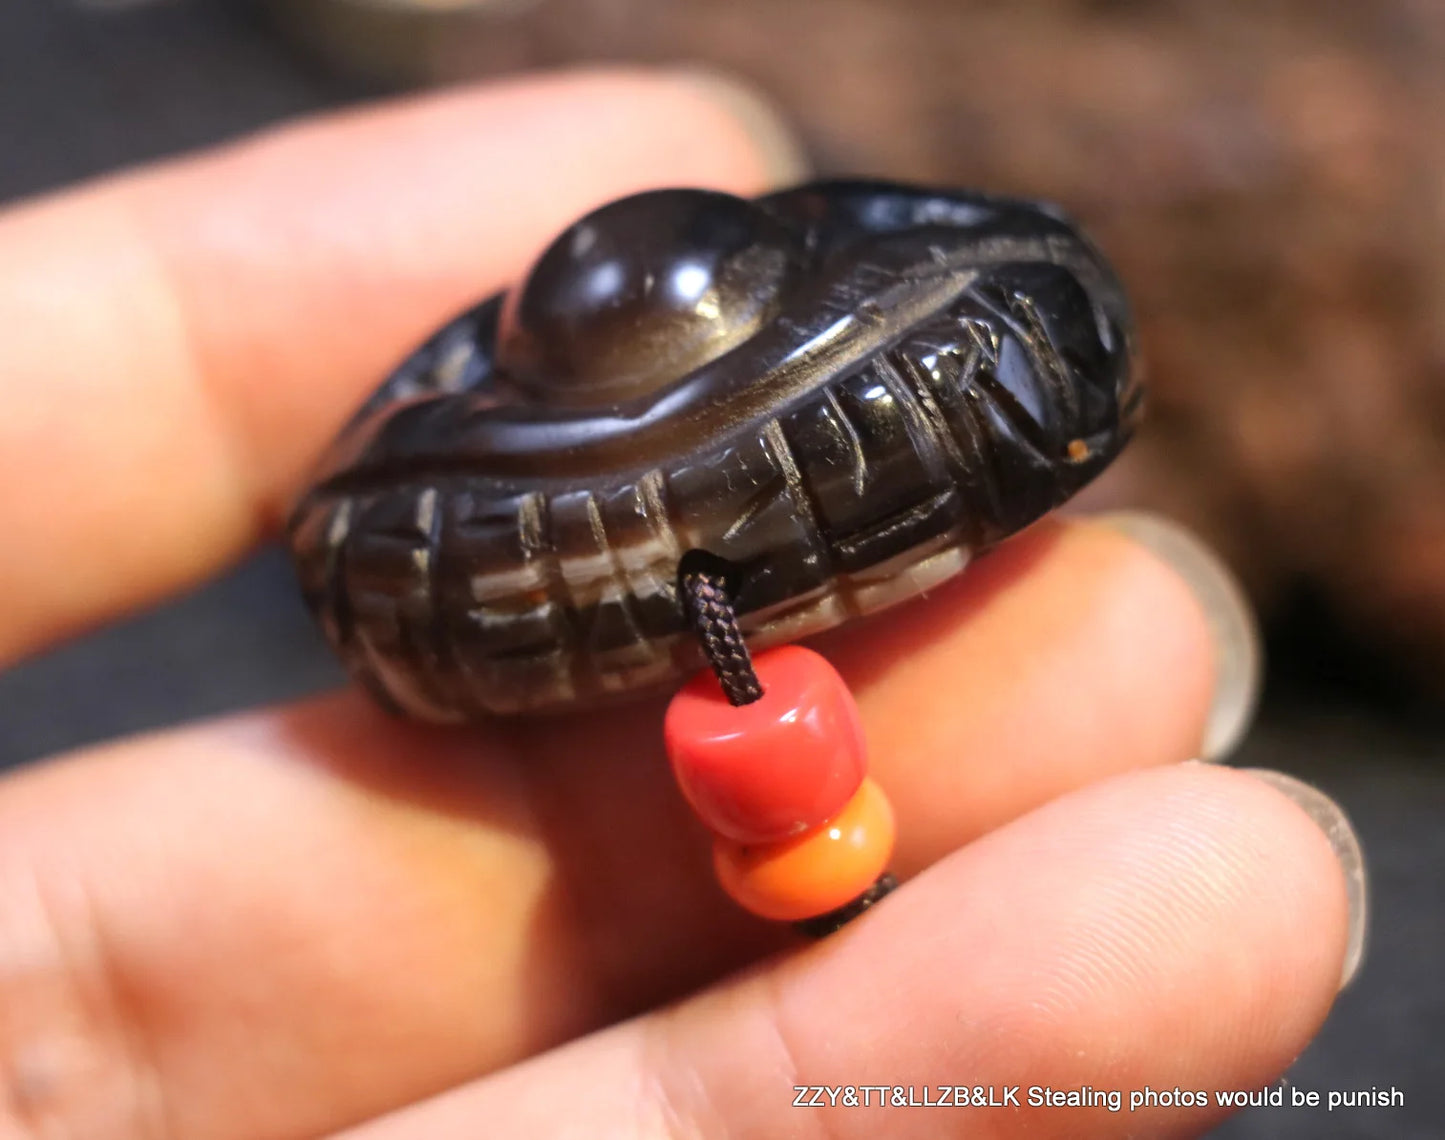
<point>455,592</point>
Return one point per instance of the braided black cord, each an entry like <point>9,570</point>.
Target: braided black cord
<point>710,610</point>
<point>822,925</point>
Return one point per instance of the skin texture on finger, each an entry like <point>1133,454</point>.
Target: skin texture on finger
<point>1180,928</point>
<point>182,341</point>
<point>1017,613</point>
<point>349,912</point>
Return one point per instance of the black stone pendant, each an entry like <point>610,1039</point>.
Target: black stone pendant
<point>834,393</point>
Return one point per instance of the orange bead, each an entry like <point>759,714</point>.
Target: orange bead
<point>813,873</point>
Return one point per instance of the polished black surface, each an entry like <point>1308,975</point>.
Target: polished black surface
<point>641,292</point>
<point>840,390</point>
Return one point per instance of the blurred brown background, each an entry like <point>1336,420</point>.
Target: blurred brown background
<point>1267,175</point>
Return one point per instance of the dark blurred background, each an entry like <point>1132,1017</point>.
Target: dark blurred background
<point>1270,178</point>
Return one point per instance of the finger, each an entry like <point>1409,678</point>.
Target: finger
<point>990,699</point>
<point>1183,928</point>
<point>181,342</point>
<point>398,910</point>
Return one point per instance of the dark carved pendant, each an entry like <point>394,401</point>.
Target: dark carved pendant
<point>836,393</point>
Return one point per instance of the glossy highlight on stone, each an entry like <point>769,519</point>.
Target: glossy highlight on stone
<point>778,766</point>
<point>641,292</point>
<point>838,391</point>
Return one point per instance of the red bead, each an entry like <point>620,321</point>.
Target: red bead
<point>765,771</point>
<point>814,873</point>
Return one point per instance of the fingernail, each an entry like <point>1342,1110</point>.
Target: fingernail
<point>1331,819</point>
<point>784,159</point>
<point>1237,651</point>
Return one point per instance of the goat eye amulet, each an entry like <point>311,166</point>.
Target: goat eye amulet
<point>844,390</point>
<point>705,425</point>
<point>774,768</point>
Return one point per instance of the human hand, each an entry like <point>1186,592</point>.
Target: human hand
<point>295,922</point>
